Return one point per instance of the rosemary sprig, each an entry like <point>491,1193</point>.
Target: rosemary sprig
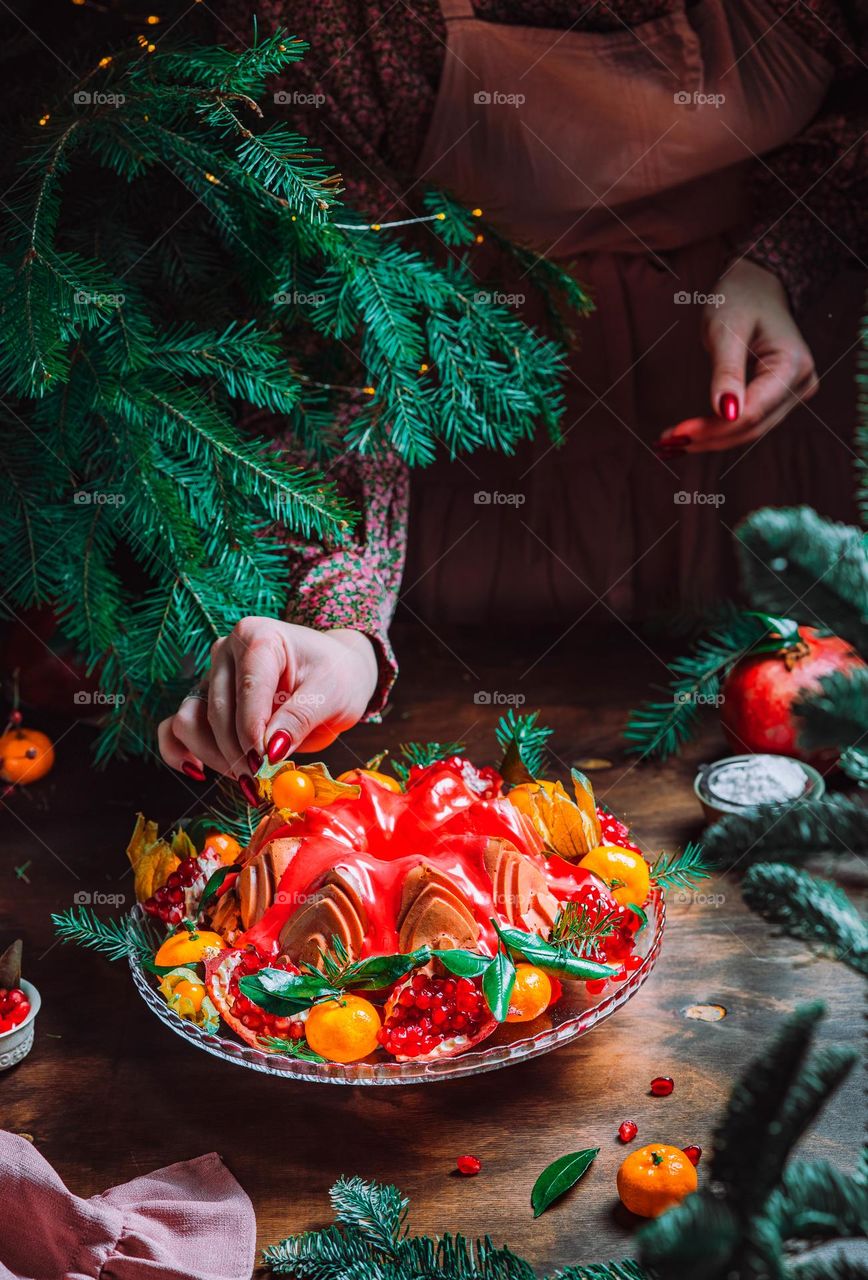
<point>681,869</point>
<point>576,930</point>
<point>291,1048</point>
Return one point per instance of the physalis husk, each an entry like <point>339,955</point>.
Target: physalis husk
<point>568,827</point>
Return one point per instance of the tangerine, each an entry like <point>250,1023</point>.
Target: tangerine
<point>625,872</point>
<point>655,1178</point>
<point>531,994</point>
<point>26,755</point>
<point>343,1030</point>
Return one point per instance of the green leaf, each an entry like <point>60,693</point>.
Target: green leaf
<point>213,884</point>
<point>497,984</point>
<point>381,971</point>
<point>559,960</point>
<point>284,993</point>
<point>560,1175</point>
<point>464,964</point>
<point>641,913</point>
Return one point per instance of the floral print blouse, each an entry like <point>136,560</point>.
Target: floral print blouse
<point>375,68</point>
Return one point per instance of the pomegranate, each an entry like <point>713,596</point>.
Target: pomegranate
<point>246,1019</point>
<point>435,1017</point>
<point>178,898</point>
<point>759,692</point>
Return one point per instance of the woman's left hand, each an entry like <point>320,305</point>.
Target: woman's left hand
<point>761,365</point>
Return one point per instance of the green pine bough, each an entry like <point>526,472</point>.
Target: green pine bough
<point>764,1215</point>
<point>171,259</point>
<point>808,907</point>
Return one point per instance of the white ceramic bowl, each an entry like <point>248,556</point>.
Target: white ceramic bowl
<point>714,807</point>
<point>17,1043</point>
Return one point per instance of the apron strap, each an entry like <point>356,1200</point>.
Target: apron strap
<point>452,9</point>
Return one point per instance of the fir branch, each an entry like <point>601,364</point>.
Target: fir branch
<point>116,939</point>
<point>797,563</point>
<point>419,755</point>
<point>378,1212</point>
<point>659,729</point>
<point>809,908</point>
<point>523,734</point>
<point>682,869</point>
<point>817,1201</point>
<point>835,715</point>
<point>789,832</point>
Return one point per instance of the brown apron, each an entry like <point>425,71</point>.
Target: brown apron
<point>625,154</point>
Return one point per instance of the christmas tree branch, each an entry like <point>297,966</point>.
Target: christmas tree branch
<point>809,908</point>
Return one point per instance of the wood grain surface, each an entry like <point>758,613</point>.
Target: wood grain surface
<point>109,1093</point>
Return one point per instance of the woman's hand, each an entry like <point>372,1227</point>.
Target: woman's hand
<point>273,687</point>
<point>761,365</point>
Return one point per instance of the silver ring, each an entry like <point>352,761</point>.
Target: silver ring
<point>196,692</point>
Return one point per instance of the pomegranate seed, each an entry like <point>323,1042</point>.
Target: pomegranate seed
<point>694,1154</point>
<point>662,1086</point>
<point>627,1130</point>
<point>595,986</point>
<point>468,1166</point>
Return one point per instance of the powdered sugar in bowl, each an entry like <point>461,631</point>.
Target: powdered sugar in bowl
<point>738,784</point>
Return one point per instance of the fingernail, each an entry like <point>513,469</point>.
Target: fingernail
<point>251,795</point>
<point>729,406</point>
<point>278,746</point>
<point>192,771</point>
<point>254,760</point>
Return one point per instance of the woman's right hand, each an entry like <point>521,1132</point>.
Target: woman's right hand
<point>272,687</point>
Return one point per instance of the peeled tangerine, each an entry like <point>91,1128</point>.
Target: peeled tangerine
<point>655,1178</point>
<point>343,1030</point>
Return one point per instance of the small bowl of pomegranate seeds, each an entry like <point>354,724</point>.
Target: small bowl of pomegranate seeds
<point>19,1006</point>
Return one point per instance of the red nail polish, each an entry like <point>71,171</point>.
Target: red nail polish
<point>729,409</point>
<point>248,790</point>
<point>278,746</point>
<point>198,775</point>
<point>254,760</point>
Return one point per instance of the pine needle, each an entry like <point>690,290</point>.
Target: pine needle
<point>521,733</point>
<point>115,939</point>
<point>419,755</point>
<point>683,869</point>
<point>809,908</point>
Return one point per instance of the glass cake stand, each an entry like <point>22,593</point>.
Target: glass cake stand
<point>573,1016</point>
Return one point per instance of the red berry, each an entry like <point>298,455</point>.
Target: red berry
<point>627,1130</point>
<point>595,986</point>
<point>662,1086</point>
<point>694,1154</point>
<point>15,717</point>
<point>468,1166</point>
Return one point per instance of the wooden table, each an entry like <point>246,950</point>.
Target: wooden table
<point>109,1093</point>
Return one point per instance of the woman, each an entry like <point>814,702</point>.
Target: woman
<point>698,164</point>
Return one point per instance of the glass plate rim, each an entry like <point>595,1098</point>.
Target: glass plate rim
<point>474,1062</point>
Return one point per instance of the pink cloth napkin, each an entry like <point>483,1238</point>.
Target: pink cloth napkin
<point>184,1222</point>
